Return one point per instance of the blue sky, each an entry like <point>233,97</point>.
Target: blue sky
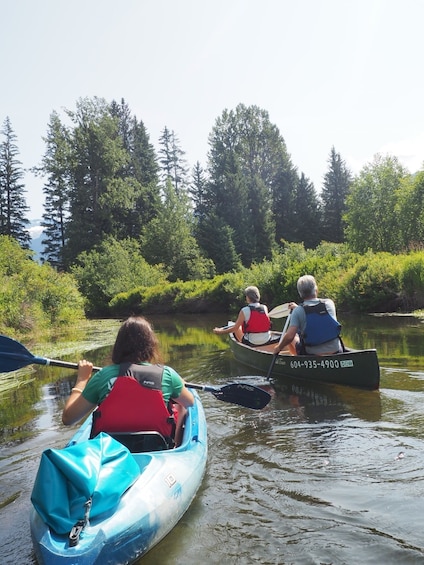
<point>342,73</point>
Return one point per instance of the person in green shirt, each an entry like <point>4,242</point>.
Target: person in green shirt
<point>135,343</point>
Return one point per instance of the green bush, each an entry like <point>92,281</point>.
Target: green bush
<point>34,298</point>
<point>111,268</point>
<point>373,284</point>
<point>412,281</point>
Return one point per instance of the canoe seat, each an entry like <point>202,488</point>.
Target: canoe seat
<point>140,442</point>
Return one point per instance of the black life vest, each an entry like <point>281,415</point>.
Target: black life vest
<point>320,326</point>
<point>135,403</point>
<point>258,322</point>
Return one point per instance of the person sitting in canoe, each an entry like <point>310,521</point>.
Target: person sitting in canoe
<point>133,394</point>
<point>313,327</point>
<point>253,324</point>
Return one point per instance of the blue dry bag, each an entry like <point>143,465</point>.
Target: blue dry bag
<point>95,472</point>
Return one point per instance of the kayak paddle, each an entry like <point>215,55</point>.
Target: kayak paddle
<point>14,355</point>
<point>243,394</point>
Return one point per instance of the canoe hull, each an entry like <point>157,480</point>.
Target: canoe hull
<point>147,512</point>
<point>356,367</point>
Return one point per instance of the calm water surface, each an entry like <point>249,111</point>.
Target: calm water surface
<point>323,475</point>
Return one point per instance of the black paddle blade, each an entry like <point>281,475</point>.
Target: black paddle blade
<point>243,394</point>
<point>13,355</point>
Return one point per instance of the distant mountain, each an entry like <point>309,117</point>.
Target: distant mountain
<point>36,232</point>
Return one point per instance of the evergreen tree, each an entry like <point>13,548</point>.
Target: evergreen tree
<point>334,193</point>
<point>284,201</point>
<point>142,167</point>
<point>13,207</point>
<point>216,239</point>
<point>172,162</point>
<point>101,198</point>
<point>168,240</point>
<point>198,190</point>
<point>307,214</point>
<point>248,170</point>
<point>56,166</point>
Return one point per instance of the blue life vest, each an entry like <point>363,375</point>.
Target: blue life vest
<point>320,326</point>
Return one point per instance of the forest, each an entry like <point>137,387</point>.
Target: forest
<point>120,216</point>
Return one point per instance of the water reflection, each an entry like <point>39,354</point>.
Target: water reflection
<point>321,459</point>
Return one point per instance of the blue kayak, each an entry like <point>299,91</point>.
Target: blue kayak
<point>165,484</point>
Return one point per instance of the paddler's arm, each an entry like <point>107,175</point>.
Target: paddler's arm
<point>288,338</point>
<point>77,406</point>
<point>186,398</point>
<point>236,328</point>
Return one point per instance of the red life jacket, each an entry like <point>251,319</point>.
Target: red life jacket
<point>258,322</point>
<point>135,403</point>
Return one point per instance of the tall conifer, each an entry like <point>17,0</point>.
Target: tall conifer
<point>13,207</point>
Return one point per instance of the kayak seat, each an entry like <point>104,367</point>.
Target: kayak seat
<point>140,442</point>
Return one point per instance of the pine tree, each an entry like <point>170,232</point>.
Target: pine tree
<point>172,162</point>
<point>56,166</point>
<point>336,186</point>
<point>216,239</point>
<point>250,174</point>
<point>168,240</point>
<point>101,199</point>
<point>198,190</point>
<point>13,207</point>
<point>142,168</point>
<point>307,214</point>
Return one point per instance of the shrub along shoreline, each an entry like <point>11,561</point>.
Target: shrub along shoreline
<point>370,283</point>
<point>37,302</point>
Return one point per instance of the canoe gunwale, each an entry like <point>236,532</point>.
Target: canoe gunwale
<point>354,367</point>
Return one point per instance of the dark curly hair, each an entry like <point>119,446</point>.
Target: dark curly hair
<point>136,342</point>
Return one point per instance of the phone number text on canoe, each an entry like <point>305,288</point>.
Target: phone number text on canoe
<point>321,363</point>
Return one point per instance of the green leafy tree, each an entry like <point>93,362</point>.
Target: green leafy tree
<point>168,240</point>
<point>113,267</point>
<point>410,211</point>
<point>336,186</point>
<point>13,207</point>
<point>371,219</point>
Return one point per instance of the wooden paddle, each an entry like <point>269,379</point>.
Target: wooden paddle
<point>14,355</point>
<point>274,357</point>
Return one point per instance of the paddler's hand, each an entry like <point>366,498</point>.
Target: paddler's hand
<point>85,368</point>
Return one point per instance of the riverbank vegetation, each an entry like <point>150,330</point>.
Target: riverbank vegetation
<point>372,282</point>
<point>35,299</point>
<point>131,229</point>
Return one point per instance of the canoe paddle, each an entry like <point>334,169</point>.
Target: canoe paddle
<point>14,355</point>
<point>274,357</point>
<point>280,311</point>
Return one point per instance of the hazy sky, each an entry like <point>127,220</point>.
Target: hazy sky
<point>347,73</point>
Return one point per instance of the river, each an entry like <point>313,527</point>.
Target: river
<point>323,475</point>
